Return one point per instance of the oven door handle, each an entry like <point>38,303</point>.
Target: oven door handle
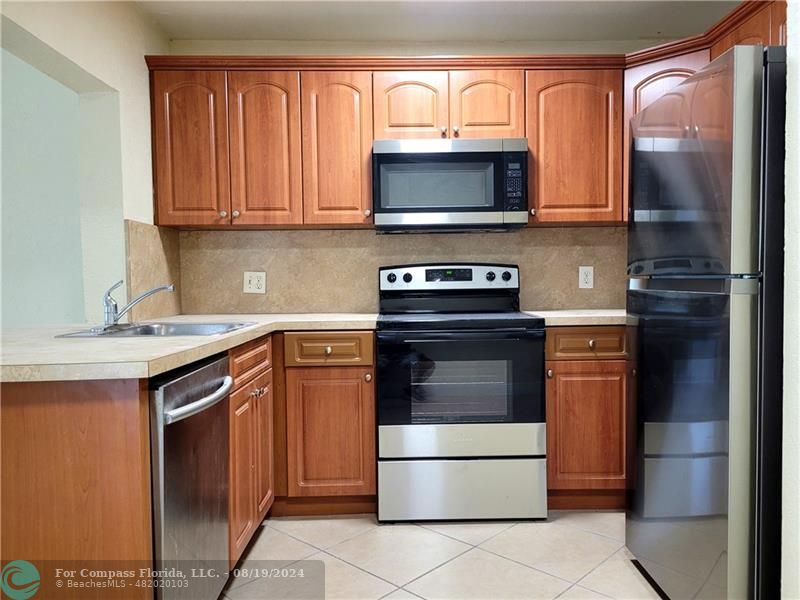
<point>409,337</point>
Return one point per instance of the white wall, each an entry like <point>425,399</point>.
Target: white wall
<point>791,347</point>
<point>41,225</point>
<point>109,41</point>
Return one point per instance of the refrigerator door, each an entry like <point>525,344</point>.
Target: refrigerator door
<point>694,174</point>
<point>690,523</point>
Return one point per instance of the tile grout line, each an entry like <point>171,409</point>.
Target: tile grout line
<point>600,564</point>
<point>608,537</point>
<point>465,542</point>
<point>532,568</point>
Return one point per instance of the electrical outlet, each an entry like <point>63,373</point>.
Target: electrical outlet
<point>255,282</point>
<point>586,277</point>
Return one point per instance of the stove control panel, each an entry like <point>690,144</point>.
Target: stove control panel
<point>449,277</point>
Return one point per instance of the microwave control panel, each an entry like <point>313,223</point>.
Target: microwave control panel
<point>516,193</point>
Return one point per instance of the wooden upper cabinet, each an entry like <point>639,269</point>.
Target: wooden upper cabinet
<point>587,424</point>
<point>487,104</point>
<point>266,176</point>
<point>653,81</point>
<point>190,130</point>
<point>337,146</point>
<point>330,430</point>
<point>574,131</point>
<point>755,30</point>
<point>777,34</point>
<point>410,104</point>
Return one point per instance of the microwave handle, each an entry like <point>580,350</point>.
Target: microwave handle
<point>408,337</point>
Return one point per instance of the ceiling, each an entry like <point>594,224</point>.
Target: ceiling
<point>434,21</point>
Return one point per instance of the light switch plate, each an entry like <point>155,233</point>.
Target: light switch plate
<point>586,277</point>
<point>255,282</point>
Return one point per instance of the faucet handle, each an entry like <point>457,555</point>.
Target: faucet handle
<point>112,288</point>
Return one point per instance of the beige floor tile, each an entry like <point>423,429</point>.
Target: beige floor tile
<point>619,579</point>
<point>470,533</point>
<point>398,553</point>
<point>577,592</point>
<point>609,524</point>
<point>479,575</point>
<point>401,594</point>
<point>324,533</point>
<point>274,546</point>
<point>563,551</point>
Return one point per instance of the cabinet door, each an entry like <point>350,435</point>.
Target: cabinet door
<point>574,131</point>
<point>755,30</point>
<point>190,148</point>
<point>330,422</point>
<point>410,104</point>
<point>265,472</point>
<point>266,177</point>
<point>777,34</point>
<point>586,424</point>
<point>242,507</point>
<point>487,104</point>
<point>652,81</point>
<point>337,146</point>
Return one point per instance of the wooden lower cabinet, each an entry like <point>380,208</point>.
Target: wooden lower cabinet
<point>265,471</point>
<point>587,424</point>
<point>242,511</point>
<point>330,431</point>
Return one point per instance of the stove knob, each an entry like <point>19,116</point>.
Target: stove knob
<point>391,277</point>
<point>490,276</point>
<point>506,276</point>
<point>407,277</point>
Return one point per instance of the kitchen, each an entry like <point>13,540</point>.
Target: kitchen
<point>452,400</point>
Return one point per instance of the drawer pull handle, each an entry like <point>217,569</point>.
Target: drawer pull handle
<point>592,344</point>
<point>328,350</point>
<point>368,377</point>
<point>549,373</point>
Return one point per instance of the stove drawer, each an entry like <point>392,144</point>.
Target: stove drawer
<point>462,440</point>
<point>333,348</point>
<point>434,490</point>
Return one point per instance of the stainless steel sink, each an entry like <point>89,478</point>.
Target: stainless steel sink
<point>160,329</point>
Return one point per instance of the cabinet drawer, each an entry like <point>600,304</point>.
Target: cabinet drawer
<point>575,343</point>
<point>250,359</point>
<point>328,348</point>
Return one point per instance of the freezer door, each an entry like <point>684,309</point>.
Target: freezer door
<point>694,208</point>
<point>691,517</point>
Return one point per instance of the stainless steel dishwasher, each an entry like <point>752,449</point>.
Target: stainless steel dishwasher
<point>189,444</point>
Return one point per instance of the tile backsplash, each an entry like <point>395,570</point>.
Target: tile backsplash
<point>336,271</point>
<point>153,260</point>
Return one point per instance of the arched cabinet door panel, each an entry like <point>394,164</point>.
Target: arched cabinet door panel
<point>190,131</point>
<point>487,104</point>
<point>644,84</point>
<point>337,146</point>
<point>410,104</point>
<point>266,175</point>
<point>574,134</point>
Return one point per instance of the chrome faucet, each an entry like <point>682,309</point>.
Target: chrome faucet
<point>111,313</point>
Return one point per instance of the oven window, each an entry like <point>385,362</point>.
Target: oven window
<point>460,391</point>
<point>432,185</point>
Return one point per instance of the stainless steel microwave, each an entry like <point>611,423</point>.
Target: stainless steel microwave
<point>449,185</point>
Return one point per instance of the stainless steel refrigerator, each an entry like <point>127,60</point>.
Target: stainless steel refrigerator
<point>705,267</point>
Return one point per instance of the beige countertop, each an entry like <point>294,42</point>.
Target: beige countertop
<point>35,354</point>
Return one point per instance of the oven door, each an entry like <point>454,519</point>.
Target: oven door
<point>438,189</point>
<point>460,377</point>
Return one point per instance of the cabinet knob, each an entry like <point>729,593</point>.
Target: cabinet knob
<point>368,377</point>
<point>549,373</point>
<point>254,394</point>
<point>633,372</point>
<point>223,213</point>
<point>444,131</point>
<point>328,350</point>
<point>235,214</point>
<point>533,212</point>
<point>455,131</point>
<point>367,212</point>
<point>592,344</point>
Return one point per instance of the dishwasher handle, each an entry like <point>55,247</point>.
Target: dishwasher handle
<point>177,414</point>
